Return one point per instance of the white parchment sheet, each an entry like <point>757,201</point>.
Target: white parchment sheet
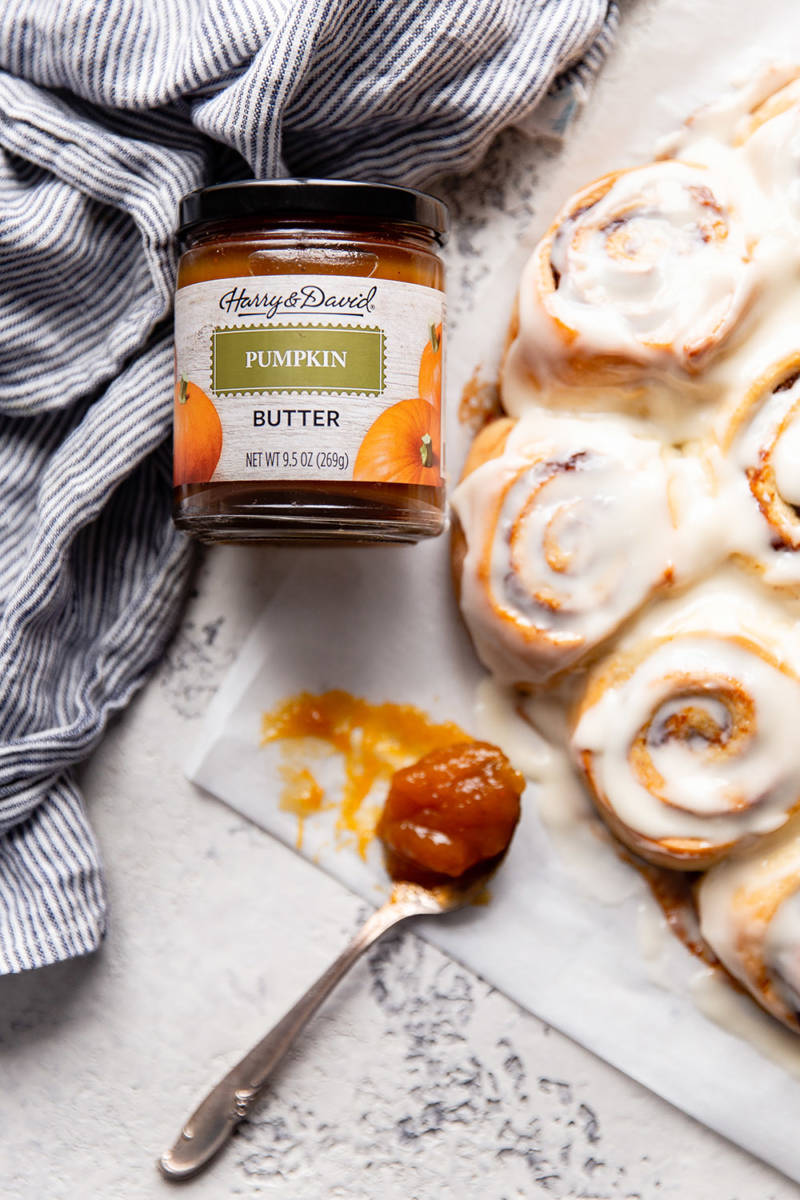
<point>382,623</point>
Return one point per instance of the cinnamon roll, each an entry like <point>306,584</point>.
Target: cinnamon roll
<point>770,146</point>
<point>762,445</point>
<point>564,529</point>
<point>648,267</point>
<point>689,744</point>
<point>749,909</point>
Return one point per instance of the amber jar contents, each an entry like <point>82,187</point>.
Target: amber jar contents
<point>455,808</point>
<point>309,348</point>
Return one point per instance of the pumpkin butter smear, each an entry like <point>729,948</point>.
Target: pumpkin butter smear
<point>452,804</point>
<point>375,740</point>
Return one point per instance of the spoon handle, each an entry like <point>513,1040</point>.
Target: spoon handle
<point>214,1120</point>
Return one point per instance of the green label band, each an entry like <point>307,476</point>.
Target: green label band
<point>297,358</point>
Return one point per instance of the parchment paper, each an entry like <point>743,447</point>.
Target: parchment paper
<point>382,623</point>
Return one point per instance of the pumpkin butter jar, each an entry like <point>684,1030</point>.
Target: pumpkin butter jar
<point>309,339</point>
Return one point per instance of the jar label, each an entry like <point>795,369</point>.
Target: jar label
<point>302,377</point>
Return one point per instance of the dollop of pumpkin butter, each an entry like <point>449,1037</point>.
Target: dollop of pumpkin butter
<point>453,809</point>
<point>452,802</point>
<point>373,739</point>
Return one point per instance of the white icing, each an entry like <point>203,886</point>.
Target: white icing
<point>655,271</point>
<point>731,773</point>
<point>753,136</point>
<point>786,462</point>
<point>628,278</point>
<point>499,715</point>
<point>731,602</point>
<point>750,916</point>
<point>772,153</point>
<point>725,122</point>
<point>567,532</point>
<point>663,408</point>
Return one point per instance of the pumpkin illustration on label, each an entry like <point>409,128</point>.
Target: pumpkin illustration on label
<point>430,367</point>
<point>403,445</point>
<point>197,434</point>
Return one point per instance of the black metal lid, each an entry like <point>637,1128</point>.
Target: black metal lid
<point>282,199</point>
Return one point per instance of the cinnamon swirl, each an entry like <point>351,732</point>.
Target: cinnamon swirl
<point>644,268</point>
<point>688,743</point>
<point>565,528</point>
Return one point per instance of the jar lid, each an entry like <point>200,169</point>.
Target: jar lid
<point>282,199</point>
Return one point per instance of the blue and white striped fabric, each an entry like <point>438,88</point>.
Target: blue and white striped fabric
<point>109,111</point>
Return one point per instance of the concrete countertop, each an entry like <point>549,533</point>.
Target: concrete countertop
<point>417,1079</point>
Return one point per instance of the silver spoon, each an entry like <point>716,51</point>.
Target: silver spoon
<point>213,1122</point>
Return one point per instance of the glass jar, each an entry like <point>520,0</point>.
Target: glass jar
<point>309,340</point>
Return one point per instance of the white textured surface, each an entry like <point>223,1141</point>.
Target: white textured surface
<point>416,1080</point>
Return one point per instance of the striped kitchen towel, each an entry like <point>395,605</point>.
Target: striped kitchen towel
<point>109,111</point>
